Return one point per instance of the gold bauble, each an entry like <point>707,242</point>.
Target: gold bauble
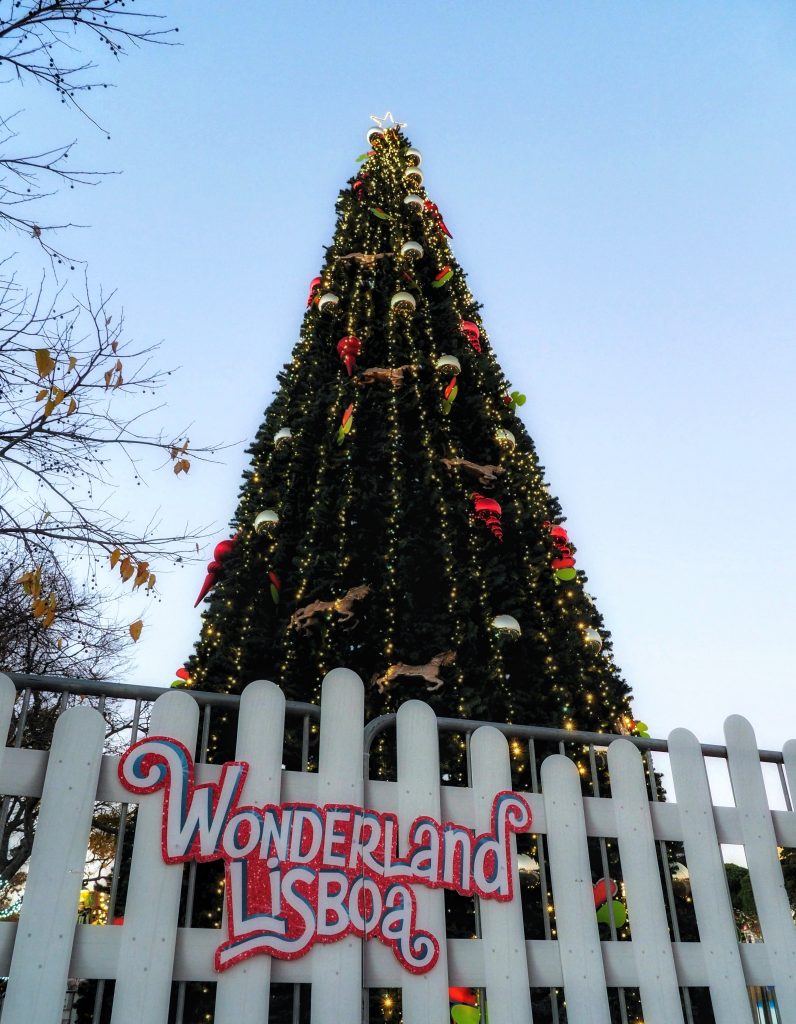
<point>265,520</point>
<point>403,302</point>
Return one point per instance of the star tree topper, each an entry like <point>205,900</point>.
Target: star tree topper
<point>387,122</point>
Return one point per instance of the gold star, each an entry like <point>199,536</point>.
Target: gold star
<point>385,124</point>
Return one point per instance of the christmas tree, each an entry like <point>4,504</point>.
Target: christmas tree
<point>395,518</point>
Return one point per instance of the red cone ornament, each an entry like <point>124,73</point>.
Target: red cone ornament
<point>348,349</point>
<point>563,564</point>
<point>315,284</point>
<point>472,333</point>
<point>433,209</point>
<point>221,550</point>
<point>489,512</point>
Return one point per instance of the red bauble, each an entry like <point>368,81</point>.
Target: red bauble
<point>348,349</point>
<point>183,673</point>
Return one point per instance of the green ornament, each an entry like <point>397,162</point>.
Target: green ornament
<point>565,575</point>
<point>620,913</point>
<point>462,1014</point>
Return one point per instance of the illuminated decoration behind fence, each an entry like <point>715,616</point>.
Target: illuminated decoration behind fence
<point>146,953</point>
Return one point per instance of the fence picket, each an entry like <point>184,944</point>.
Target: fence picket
<point>657,979</point>
<point>760,843</point>
<point>508,991</point>
<point>242,991</point>
<point>146,954</point>
<point>579,935</point>
<point>789,757</point>
<point>337,967</point>
<point>707,876</point>
<point>8,696</point>
<point>46,928</point>
<point>424,996</point>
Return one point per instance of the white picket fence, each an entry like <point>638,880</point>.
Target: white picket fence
<point>149,951</point>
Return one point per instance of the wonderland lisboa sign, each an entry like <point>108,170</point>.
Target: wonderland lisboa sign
<point>298,873</point>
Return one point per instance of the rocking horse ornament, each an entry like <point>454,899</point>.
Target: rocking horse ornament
<point>394,376</point>
<point>485,475</point>
<point>304,618</point>
<point>429,672</point>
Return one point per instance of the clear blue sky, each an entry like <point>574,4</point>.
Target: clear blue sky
<point>619,178</point>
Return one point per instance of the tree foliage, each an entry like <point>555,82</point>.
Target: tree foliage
<point>80,642</point>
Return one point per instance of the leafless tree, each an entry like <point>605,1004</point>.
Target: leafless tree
<point>73,397</point>
<point>57,45</point>
<point>76,397</point>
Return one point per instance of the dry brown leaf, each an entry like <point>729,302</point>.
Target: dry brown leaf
<point>118,383</point>
<point>72,407</point>
<point>42,395</point>
<point>31,582</point>
<point>45,364</point>
<point>135,629</point>
<point>72,363</point>
<point>38,607</point>
<point>59,643</point>
<point>108,375</point>
<point>114,344</point>
<point>142,573</point>
<point>115,555</point>
<point>126,569</point>
<point>49,405</point>
<point>58,396</point>
<point>151,581</point>
<point>48,619</point>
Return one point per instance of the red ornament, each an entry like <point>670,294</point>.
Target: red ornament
<point>471,332</point>
<point>221,550</point>
<point>489,512</point>
<point>467,996</point>
<point>600,891</point>
<point>563,564</point>
<point>315,284</point>
<point>183,673</point>
<point>346,424</point>
<point>348,349</point>
<point>276,586</point>
<point>433,209</point>
<point>359,189</point>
